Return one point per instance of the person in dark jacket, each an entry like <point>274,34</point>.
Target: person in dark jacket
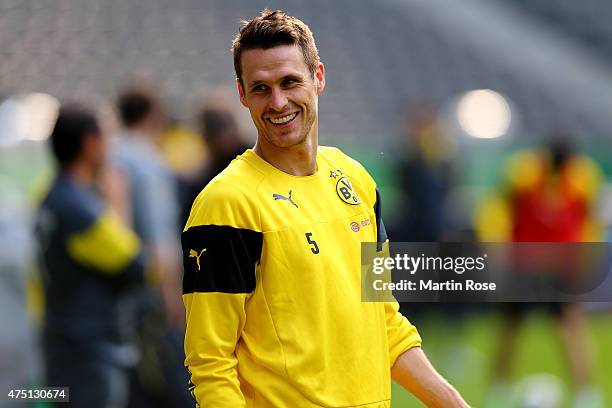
<point>88,257</point>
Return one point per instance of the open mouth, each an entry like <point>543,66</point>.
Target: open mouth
<point>283,120</point>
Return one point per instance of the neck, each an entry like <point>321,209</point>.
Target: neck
<point>137,131</point>
<point>82,174</point>
<point>299,160</point>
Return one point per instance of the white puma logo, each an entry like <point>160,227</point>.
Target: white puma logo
<point>281,197</point>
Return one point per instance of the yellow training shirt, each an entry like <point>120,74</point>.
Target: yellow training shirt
<point>272,289</point>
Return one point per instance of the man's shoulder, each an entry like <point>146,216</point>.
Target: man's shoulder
<point>76,207</point>
<point>230,198</point>
<point>239,177</point>
<point>140,159</point>
<point>66,193</point>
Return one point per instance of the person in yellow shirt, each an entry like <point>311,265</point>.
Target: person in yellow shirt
<point>272,260</point>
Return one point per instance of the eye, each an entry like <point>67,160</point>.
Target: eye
<point>259,88</point>
<point>289,82</point>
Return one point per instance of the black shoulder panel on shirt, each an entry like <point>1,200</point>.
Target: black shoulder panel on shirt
<point>381,232</point>
<point>220,259</point>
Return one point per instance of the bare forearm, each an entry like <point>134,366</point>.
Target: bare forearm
<point>414,372</point>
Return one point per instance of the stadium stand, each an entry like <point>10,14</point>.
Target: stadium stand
<point>380,55</point>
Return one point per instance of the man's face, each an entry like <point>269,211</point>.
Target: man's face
<point>281,94</point>
<point>95,150</point>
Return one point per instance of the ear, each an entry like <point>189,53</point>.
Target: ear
<point>320,78</point>
<point>241,92</point>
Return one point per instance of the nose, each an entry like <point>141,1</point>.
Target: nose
<point>278,100</point>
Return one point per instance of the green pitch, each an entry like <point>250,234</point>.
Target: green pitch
<point>462,352</point>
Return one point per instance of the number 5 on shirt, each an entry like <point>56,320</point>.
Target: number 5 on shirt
<point>315,247</point>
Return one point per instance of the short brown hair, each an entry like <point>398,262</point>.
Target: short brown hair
<point>271,29</point>
<point>135,103</point>
<point>74,124</point>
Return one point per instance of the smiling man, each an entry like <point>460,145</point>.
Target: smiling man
<point>273,299</point>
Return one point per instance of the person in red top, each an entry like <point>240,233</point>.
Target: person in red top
<point>547,196</point>
<point>553,205</point>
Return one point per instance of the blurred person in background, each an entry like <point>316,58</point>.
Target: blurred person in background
<point>548,196</point>
<point>426,178</point>
<point>152,206</point>
<point>19,356</point>
<point>426,175</point>
<point>186,154</point>
<point>224,142</point>
<point>89,258</point>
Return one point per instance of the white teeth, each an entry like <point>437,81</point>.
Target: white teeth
<point>284,119</point>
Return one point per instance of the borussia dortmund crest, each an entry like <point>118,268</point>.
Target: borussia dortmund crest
<point>346,192</point>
